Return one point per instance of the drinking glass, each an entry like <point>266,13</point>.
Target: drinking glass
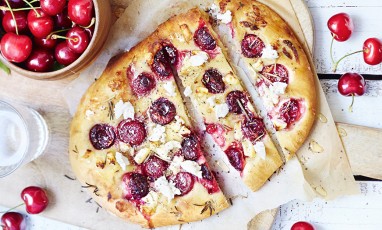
<point>23,136</point>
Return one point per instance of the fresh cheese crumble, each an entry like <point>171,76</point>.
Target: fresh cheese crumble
<point>170,88</point>
<point>167,188</point>
<point>269,53</point>
<point>260,149</point>
<point>187,91</point>
<point>192,167</point>
<point>225,17</point>
<point>124,108</point>
<point>122,160</point>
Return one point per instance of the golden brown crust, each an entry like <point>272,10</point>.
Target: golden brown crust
<point>99,167</point>
<point>252,17</point>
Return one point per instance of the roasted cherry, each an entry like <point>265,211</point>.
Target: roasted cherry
<point>162,111</point>
<point>102,136</point>
<point>136,185</point>
<point>290,111</point>
<point>191,147</point>
<point>237,101</point>
<point>235,156</point>
<point>253,128</point>
<point>143,84</point>
<point>154,167</point>
<point>275,73</point>
<point>132,132</point>
<point>252,46</point>
<point>164,59</point>
<point>213,81</point>
<point>184,181</point>
<point>204,39</point>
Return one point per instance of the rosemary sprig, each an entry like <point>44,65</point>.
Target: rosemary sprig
<point>91,186</point>
<point>75,150</point>
<point>70,178</point>
<point>206,206</point>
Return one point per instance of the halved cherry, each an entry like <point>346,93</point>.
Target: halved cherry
<point>102,136</point>
<point>9,24</point>
<point>235,156</point>
<point>40,23</point>
<point>136,185</point>
<point>213,81</point>
<point>132,132</point>
<point>154,167</point>
<point>252,46</point>
<point>13,221</point>
<point>184,181</point>
<point>217,132</point>
<point>204,39</point>
<point>236,101</point>
<point>162,111</point>
<point>208,180</point>
<point>275,73</point>
<point>35,198</point>
<point>290,111</point>
<point>164,58</point>
<point>143,84</point>
<point>253,128</point>
<point>191,147</point>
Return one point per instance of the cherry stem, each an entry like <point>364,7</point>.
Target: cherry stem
<point>33,1</point>
<point>90,25</point>
<point>352,103</point>
<point>347,55</point>
<point>55,32</point>
<point>18,9</point>
<point>56,36</point>
<point>13,16</point>
<point>13,208</point>
<point>331,50</point>
<point>33,8</point>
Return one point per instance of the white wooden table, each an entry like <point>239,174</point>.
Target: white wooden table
<point>367,16</point>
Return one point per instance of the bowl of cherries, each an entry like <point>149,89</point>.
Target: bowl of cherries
<point>52,39</point>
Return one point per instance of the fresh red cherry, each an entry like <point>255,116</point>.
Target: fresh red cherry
<point>351,84</point>
<point>13,221</point>
<point>15,48</point>
<point>372,51</point>
<point>81,11</point>
<point>16,3</point>
<point>62,20</point>
<point>64,55</point>
<point>341,26</point>
<point>9,24</point>
<point>45,43</point>
<point>40,61</point>
<point>35,199</point>
<point>302,225</point>
<point>41,24</point>
<point>52,7</point>
<point>77,39</point>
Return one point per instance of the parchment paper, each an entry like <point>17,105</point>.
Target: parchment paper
<point>311,175</point>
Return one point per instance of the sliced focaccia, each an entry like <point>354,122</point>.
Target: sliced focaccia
<point>132,143</point>
<point>219,97</point>
<point>278,67</point>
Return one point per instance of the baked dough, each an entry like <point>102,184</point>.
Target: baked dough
<point>251,19</point>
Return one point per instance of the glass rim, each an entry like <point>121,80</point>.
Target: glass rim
<point>20,162</point>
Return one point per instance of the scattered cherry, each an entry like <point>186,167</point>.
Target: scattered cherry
<point>162,111</point>
<point>13,221</point>
<point>184,181</point>
<point>191,147</point>
<point>204,39</point>
<point>143,84</point>
<point>341,26</point>
<point>252,46</point>
<point>132,132</point>
<point>213,81</point>
<point>136,185</point>
<point>102,136</point>
<point>351,84</point>
<point>302,225</point>
<point>15,48</point>
<point>81,12</point>
<point>35,198</point>
<point>253,128</point>
<point>40,23</point>
<point>52,7</point>
<point>154,167</point>
<point>372,51</point>
<point>40,61</point>
<point>235,156</point>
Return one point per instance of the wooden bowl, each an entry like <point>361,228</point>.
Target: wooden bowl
<point>101,30</point>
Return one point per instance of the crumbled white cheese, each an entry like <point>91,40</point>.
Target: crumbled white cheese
<point>165,149</point>
<point>141,155</point>
<point>170,88</point>
<point>211,101</point>
<point>279,124</point>
<point>124,108</point>
<point>179,126</point>
<point>121,160</point>
<point>123,147</point>
<point>278,88</point>
<point>248,148</point>
<point>151,199</point>
<point>271,94</point>
<point>260,149</point>
<point>187,91</point>
<point>269,53</point>
<point>192,167</point>
<point>225,17</point>
<point>167,188</point>
<point>221,110</point>
<point>175,164</point>
<point>157,133</point>
<point>198,58</point>
<point>89,113</point>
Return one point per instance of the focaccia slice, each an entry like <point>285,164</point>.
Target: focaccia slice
<point>277,66</point>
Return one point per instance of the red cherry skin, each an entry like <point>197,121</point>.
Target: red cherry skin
<point>40,61</point>
<point>81,11</point>
<point>41,26</point>
<point>341,26</point>
<point>45,43</point>
<point>62,20</point>
<point>372,51</point>
<point>78,39</point>
<point>9,24</point>
<point>351,84</point>
<point>64,55</point>
<point>13,221</point>
<point>16,3</point>
<point>302,225</point>
<point>35,199</point>
<point>15,48</point>
<point>52,7</point>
